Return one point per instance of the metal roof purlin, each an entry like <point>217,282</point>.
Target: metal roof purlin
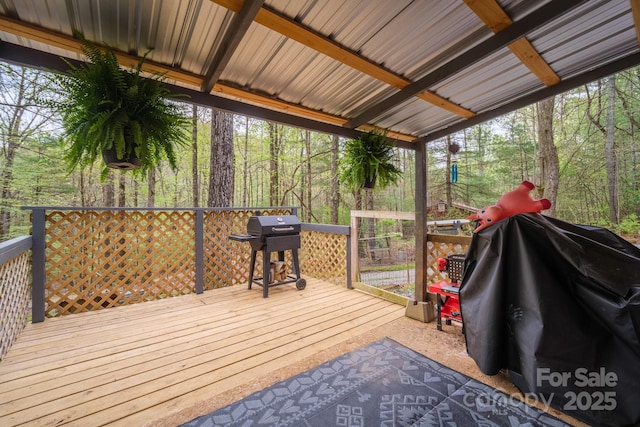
<point>534,20</point>
<point>547,91</point>
<point>241,22</point>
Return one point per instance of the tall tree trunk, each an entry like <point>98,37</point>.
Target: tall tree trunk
<point>610,152</point>
<point>480,152</point>
<point>83,190</point>
<point>335,181</point>
<point>11,145</point>
<point>195,188</point>
<point>7,179</point>
<point>151,189</point>
<point>121,190</point>
<point>629,108</point>
<point>136,193</point>
<point>548,155</point>
<point>307,140</point>
<point>371,222</point>
<point>245,156</point>
<point>274,164</point>
<point>448,180</point>
<point>221,166</point>
<point>108,191</point>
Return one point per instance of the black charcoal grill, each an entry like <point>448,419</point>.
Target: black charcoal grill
<point>272,233</point>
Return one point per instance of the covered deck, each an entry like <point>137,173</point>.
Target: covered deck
<point>165,362</point>
<point>141,363</point>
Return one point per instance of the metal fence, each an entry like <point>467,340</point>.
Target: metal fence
<point>383,254</point>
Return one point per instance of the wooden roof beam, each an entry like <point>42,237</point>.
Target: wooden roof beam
<point>70,44</point>
<point>494,17</point>
<point>534,20</point>
<point>635,10</point>
<point>295,31</point>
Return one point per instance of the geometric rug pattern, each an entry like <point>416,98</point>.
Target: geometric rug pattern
<point>382,384</point>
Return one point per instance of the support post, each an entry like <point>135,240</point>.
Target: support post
<point>349,262</point>
<point>421,308</point>
<point>38,265</point>
<point>355,262</point>
<point>199,251</point>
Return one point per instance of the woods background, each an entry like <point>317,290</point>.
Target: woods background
<point>580,148</point>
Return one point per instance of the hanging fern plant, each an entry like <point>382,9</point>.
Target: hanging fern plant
<point>369,160</point>
<point>117,114</point>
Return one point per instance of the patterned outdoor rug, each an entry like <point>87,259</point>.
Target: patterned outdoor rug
<point>382,384</point>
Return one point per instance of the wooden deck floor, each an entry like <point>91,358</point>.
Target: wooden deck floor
<point>130,365</point>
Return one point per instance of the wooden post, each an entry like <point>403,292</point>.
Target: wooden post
<point>199,252</point>
<point>421,223</point>
<point>355,262</point>
<point>421,308</point>
<point>38,265</point>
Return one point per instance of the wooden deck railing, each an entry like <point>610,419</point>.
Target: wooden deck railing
<point>441,246</point>
<point>15,289</point>
<point>438,245</point>
<point>89,259</point>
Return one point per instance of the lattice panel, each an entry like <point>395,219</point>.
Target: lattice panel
<point>324,256</point>
<point>101,259</point>
<point>441,250</point>
<point>15,295</point>
<point>226,262</point>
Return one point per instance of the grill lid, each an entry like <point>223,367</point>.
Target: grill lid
<point>271,225</point>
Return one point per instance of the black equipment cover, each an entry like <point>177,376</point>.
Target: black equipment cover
<point>558,306</point>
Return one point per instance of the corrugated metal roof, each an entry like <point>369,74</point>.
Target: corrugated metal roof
<point>355,61</point>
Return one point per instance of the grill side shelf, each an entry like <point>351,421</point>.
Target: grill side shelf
<point>243,237</point>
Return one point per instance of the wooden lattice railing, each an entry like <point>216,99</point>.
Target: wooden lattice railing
<point>441,246</point>
<point>324,252</point>
<point>226,262</point>
<point>100,258</point>
<point>15,289</point>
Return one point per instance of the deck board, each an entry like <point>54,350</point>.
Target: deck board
<point>127,365</point>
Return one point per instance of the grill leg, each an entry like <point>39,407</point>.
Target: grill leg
<point>296,263</point>
<point>252,267</point>
<point>266,272</point>
<point>439,311</point>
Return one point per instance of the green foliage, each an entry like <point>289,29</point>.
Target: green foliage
<point>369,159</point>
<point>494,158</point>
<point>630,225</point>
<point>106,106</point>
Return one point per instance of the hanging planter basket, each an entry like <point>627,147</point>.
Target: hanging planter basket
<point>369,182</point>
<point>127,162</point>
<point>106,104</point>
<point>369,160</point>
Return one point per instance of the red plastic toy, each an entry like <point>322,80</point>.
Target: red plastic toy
<point>514,202</point>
